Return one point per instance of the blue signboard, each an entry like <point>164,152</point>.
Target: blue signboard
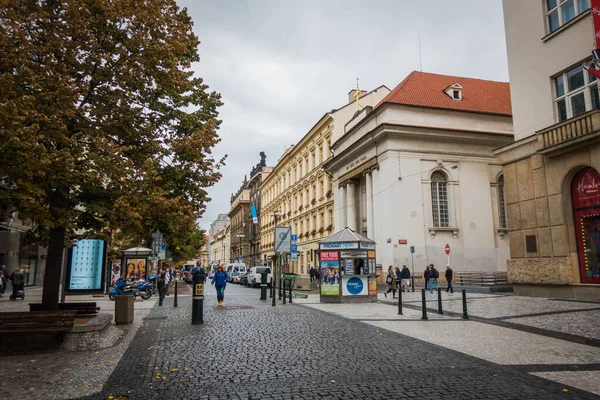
<point>354,285</point>
<point>330,264</point>
<point>86,264</point>
<point>254,215</point>
<point>294,248</point>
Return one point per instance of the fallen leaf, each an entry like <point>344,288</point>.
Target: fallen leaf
<point>163,377</point>
<point>32,360</point>
<point>565,390</point>
<point>18,370</point>
<point>174,370</point>
<point>32,389</point>
<point>186,369</point>
<point>377,330</point>
<point>208,377</point>
<point>2,384</point>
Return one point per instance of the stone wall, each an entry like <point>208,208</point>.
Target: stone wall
<point>549,271</point>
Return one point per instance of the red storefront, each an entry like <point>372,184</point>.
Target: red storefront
<point>585,193</point>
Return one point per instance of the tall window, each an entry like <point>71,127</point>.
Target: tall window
<point>501,205</point>
<point>439,199</point>
<point>559,12</point>
<point>576,92</point>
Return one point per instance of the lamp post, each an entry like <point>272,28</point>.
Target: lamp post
<point>241,256</point>
<point>276,215</point>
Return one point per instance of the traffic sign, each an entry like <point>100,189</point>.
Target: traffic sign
<point>283,239</point>
<point>294,248</point>
<point>447,249</point>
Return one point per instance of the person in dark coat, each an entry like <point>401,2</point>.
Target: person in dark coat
<point>311,272</point>
<point>161,285</point>
<point>426,274</point>
<point>449,276</point>
<point>433,277</point>
<point>405,278</point>
<point>398,279</point>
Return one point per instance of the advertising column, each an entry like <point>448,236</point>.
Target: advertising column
<point>85,268</point>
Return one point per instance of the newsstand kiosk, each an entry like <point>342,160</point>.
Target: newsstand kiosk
<point>347,268</point>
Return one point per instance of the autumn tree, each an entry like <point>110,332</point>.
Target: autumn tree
<point>103,124</point>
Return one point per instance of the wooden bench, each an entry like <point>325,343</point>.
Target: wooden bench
<point>480,278</point>
<point>82,309</point>
<point>22,332</point>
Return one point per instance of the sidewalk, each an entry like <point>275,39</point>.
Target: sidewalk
<point>539,336</point>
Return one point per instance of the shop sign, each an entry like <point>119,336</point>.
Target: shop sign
<point>402,241</point>
<point>364,245</point>
<point>585,189</point>
<point>353,254</point>
<point>371,254</point>
<point>339,246</point>
<point>329,255</point>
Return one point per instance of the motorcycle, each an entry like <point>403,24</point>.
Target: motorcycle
<point>146,289</point>
<point>123,288</point>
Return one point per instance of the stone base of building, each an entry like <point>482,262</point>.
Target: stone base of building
<point>349,299</point>
<point>577,292</point>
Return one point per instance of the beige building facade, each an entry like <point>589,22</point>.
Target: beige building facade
<point>300,191</point>
<point>220,245</point>
<point>239,215</point>
<point>551,170</point>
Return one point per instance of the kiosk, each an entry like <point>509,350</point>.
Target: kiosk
<point>347,268</point>
<point>135,263</point>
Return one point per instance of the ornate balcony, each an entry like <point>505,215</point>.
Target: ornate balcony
<point>570,133</point>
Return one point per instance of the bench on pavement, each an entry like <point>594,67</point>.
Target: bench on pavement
<point>480,278</point>
<point>82,309</point>
<point>21,332</point>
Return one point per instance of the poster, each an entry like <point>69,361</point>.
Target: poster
<point>372,285</point>
<point>355,286</point>
<point>328,256</point>
<point>135,268</point>
<point>85,265</point>
<point>115,271</point>
<point>330,290</point>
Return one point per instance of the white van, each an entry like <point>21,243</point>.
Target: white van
<point>254,276</point>
<point>235,270</point>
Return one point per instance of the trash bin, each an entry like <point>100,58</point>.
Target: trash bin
<point>123,310</point>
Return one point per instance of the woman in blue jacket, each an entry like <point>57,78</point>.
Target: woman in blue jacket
<point>219,279</point>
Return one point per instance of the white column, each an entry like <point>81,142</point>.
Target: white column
<point>344,211</point>
<point>370,222</point>
<point>351,205</point>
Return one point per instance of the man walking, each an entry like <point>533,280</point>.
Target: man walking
<point>405,278</point>
<point>17,281</point>
<point>161,286</point>
<point>449,276</point>
<point>311,272</point>
<point>426,275</point>
<point>167,281</point>
<point>433,277</point>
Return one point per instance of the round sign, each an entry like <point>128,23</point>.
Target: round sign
<point>354,285</point>
<point>448,249</point>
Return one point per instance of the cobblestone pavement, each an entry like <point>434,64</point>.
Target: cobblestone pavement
<point>250,350</point>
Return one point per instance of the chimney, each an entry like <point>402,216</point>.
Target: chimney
<point>352,95</point>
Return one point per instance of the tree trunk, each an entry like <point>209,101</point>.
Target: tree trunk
<point>56,245</point>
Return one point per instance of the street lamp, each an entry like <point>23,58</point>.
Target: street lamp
<point>276,215</point>
<point>241,253</point>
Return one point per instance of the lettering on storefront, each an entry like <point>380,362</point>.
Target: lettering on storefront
<point>356,163</point>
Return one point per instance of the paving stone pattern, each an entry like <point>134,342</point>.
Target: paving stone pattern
<point>293,352</point>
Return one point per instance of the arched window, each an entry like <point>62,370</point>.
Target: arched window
<point>501,204</point>
<point>439,199</point>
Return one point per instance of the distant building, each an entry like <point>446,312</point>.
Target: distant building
<point>220,250</point>
<point>552,184</point>
<point>300,191</point>
<point>418,169</point>
<point>257,176</point>
<point>216,227</point>
<point>239,215</point>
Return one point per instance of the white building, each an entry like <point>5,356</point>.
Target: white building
<point>418,170</point>
<point>218,225</point>
<point>552,169</point>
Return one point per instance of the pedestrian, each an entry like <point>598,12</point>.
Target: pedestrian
<point>433,277</point>
<point>17,280</point>
<point>326,276</point>
<point>426,274</point>
<point>219,279</point>
<point>398,279</point>
<point>390,280</point>
<point>168,278</point>
<point>405,278</point>
<point>311,272</point>
<point>449,276</point>
<point>2,282</point>
<point>161,285</point>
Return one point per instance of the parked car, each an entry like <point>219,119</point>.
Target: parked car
<point>244,278</point>
<point>234,270</point>
<point>254,276</point>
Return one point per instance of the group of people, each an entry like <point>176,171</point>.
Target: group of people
<point>219,280</point>
<point>400,279</point>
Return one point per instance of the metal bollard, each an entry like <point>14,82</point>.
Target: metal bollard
<point>175,296</point>
<point>440,311</point>
<point>273,288</point>
<point>279,287</point>
<point>424,304</point>
<point>464,299</point>
<point>284,288</point>
<point>198,300</point>
<point>290,292</point>
<point>400,302</point>
<point>413,283</point>
<point>263,286</point>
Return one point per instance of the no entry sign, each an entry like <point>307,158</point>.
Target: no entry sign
<point>448,249</point>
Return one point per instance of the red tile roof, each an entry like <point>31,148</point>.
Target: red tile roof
<point>424,89</point>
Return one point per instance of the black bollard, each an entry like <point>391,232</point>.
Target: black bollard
<point>271,288</point>
<point>400,302</point>
<point>198,299</point>
<point>263,286</point>
<point>413,283</point>
<point>273,284</point>
<point>175,296</point>
<point>280,287</point>
<point>424,304</point>
<point>440,311</point>
<point>464,298</point>
<point>290,292</point>
<point>284,289</point>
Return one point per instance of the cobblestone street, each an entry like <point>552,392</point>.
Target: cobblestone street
<point>250,350</point>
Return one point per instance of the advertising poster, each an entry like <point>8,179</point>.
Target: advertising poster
<point>135,268</point>
<point>86,265</point>
<point>355,286</point>
<point>372,285</point>
<point>115,271</point>
<point>330,290</point>
<point>328,255</point>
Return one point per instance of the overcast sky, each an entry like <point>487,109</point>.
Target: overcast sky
<point>280,65</point>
